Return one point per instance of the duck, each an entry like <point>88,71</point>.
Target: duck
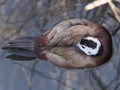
<point>73,44</point>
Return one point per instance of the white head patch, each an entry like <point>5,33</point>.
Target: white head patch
<point>89,45</point>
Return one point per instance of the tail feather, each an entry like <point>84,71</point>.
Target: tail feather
<point>23,46</point>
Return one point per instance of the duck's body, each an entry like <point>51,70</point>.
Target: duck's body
<point>75,43</point>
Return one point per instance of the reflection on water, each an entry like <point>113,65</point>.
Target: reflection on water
<point>33,17</point>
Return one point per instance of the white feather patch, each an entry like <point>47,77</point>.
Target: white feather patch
<point>88,50</point>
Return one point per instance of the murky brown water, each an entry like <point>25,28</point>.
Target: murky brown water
<point>32,18</point>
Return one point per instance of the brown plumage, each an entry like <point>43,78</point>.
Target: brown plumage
<point>59,44</point>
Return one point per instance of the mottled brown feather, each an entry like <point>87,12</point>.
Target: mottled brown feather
<point>60,48</point>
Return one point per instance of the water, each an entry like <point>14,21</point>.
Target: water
<point>32,18</point>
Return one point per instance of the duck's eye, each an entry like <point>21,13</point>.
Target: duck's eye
<point>89,45</point>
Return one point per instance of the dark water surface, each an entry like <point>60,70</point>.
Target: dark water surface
<point>32,18</point>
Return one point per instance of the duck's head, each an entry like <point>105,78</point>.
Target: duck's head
<point>75,43</point>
